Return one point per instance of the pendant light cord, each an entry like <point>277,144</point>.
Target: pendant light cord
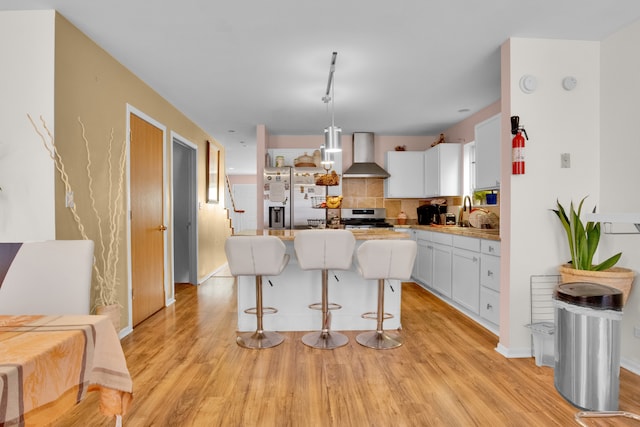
<point>333,100</point>
<point>332,134</point>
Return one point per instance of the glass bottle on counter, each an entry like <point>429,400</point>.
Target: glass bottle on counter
<point>402,218</point>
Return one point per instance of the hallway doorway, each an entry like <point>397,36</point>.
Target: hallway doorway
<point>184,208</point>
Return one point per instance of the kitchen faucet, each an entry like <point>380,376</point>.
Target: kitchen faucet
<point>464,223</point>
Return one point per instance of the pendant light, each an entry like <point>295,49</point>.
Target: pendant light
<point>326,158</point>
<point>332,134</point>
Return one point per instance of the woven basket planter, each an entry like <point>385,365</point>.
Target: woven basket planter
<point>616,277</point>
<point>113,312</point>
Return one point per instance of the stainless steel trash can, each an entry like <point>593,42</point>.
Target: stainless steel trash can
<point>587,351</point>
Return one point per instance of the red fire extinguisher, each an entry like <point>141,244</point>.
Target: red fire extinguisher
<point>517,146</point>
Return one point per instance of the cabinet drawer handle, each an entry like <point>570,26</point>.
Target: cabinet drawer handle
<point>489,307</point>
<point>490,248</point>
<point>489,273</point>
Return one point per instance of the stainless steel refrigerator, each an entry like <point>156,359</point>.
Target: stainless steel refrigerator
<point>277,198</point>
<point>307,198</point>
<point>291,198</point>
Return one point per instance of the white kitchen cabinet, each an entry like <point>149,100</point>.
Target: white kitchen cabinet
<point>487,136</point>
<point>406,170</point>
<point>490,281</point>
<point>465,271</point>
<point>442,170</point>
<point>441,280</point>
<point>441,263</point>
<point>465,279</point>
<point>433,261</point>
<point>490,247</point>
<point>490,276</point>
<point>490,305</point>
<point>469,243</point>
<point>424,258</point>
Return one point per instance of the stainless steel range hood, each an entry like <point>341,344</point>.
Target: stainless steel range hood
<point>364,165</point>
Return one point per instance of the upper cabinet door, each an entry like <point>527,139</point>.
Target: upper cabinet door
<point>487,134</point>
<point>407,179</point>
<point>443,166</point>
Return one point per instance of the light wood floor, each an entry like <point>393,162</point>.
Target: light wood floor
<point>188,371</point>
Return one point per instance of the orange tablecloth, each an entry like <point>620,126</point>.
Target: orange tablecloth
<point>50,362</point>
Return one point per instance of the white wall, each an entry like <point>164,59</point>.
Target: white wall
<point>557,121</point>
<point>619,157</point>
<point>26,86</point>
<point>245,198</point>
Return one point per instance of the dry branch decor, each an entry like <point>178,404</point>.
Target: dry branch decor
<point>109,215</point>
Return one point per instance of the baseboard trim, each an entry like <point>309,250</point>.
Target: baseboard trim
<point>517,353</point>
<point>630,365</point>
<point>213,273</point>
<point>124,332</point>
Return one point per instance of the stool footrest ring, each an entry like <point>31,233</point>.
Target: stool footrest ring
<point>330,306</point>
<point>373,315</point>
<point>265,310</point>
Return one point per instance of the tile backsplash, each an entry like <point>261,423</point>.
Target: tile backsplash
<point>369,193</point>
<point>363,193</point>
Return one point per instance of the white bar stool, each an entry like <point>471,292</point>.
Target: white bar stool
<point>384,259</point>
<point>324,250</point>
<point>257,256</point>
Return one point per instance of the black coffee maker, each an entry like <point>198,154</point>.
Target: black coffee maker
<point>430,214</point>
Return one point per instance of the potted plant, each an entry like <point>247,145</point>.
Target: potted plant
<point>583,243</point>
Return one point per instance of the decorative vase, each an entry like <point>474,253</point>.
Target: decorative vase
<point>616,277</point>
<point>112,312</point>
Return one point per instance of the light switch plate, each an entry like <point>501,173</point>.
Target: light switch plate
<point>565,160</point>
<point>68,200</point>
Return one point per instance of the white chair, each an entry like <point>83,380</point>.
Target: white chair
<point>324,250</point>
<point>384,259</point>
<point>257,256</point>
<point>49,277</point>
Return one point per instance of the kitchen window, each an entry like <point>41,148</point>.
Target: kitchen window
<point>469,168</point>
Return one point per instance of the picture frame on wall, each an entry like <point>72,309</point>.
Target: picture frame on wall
<point>213,171</point>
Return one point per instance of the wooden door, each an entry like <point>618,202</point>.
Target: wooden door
<point>147,221</point>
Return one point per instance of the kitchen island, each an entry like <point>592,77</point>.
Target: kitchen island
<point>295,289</point>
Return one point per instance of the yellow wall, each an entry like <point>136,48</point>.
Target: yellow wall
<point>92,85</point>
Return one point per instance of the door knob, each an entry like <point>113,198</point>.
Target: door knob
<point>162,228</point>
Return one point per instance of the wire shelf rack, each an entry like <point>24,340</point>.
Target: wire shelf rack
<point>319,202</point>
<point>542,287</point>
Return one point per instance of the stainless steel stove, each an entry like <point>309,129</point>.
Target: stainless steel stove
<point>364,218</point>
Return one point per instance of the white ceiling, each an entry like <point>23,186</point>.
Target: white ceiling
<point>404,67</point>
